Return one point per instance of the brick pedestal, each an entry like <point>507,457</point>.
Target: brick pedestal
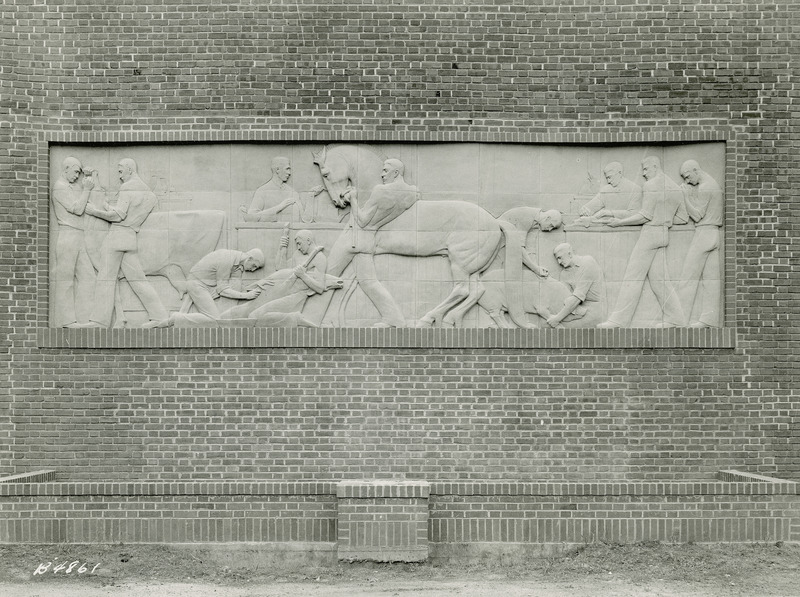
<point>383,521</point>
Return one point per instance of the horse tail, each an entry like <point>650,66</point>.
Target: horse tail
<point>513,274</point>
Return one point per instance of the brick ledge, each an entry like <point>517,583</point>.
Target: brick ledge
<point>438,489</point>
<point>445,338</point>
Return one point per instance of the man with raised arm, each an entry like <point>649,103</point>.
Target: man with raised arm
<point>73,273</point>
<point>119,251</point>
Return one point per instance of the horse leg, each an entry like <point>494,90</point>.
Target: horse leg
<point>459,293</point>
<point>456,315</point>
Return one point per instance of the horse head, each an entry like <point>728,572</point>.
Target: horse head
<point>337,172</point>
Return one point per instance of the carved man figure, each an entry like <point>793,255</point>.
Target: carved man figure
<point>584,277</point>
<point>386,202</point>
<point>126,213</point>
<point>703,199</point>
<point>523,220</point>
<point>74,273</point>
<point>619,197</point>
<point>662,205</point>
<point>272,198</point>
<point>211,278</point>
<point>526,219</point>
<point>290,294</point>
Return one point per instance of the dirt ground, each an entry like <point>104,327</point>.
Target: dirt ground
<point>601,570</point>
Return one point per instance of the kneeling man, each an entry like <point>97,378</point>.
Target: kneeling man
<point>584,278</point>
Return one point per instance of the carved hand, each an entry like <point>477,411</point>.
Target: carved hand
<point>251,294</point>
<point>88,183</point>
<point>350,194</point>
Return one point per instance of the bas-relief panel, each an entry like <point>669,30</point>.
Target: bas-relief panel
<point>353,235</point>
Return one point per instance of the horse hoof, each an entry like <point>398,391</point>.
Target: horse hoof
<point>425,323</point>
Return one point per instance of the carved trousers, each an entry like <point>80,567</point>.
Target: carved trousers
<point>648,264</point>
<point>118,254</point>
<point>701,282</point>
<point>201,296</point>
<point>73,278</point>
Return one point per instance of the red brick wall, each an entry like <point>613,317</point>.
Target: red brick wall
<point>432,70</point>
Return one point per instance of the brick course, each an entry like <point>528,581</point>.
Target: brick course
<point>374,520</point>
<point>556,71</point>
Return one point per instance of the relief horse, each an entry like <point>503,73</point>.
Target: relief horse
<point>468,235</point>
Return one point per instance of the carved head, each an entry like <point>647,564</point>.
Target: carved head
<point>392,170</point>
<point>254,260</point>
<point>281,168</point>
<point>304,240</point>
<point>126,168</point>
<point>72,169</point>
<point>613,173</point>
<point>564,255</point>
<point>549,220</point>
<point>650,167</point>
<point>690,172</point>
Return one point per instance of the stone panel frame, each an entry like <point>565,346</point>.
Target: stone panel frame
<point>584,338</point>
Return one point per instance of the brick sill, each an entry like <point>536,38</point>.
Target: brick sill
<point>241,337</point>
<point>742,484</point>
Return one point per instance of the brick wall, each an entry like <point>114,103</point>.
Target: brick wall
<point>402,521</point>
<point>438,70</point>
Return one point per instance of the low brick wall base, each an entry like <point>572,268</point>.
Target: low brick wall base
<point>383,521</point>
<point>398,520</point>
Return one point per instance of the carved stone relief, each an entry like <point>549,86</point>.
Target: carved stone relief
<point>397,235</point>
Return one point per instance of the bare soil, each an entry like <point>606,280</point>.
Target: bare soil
<point>651,569</point>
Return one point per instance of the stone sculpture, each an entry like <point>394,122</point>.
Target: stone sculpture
<point>285,306</point>
<point>584,278</point>
<point>524,220</point>
<point>619,197</point>
<point>209,279</point>
<point>119,250</point>
<point>701,269</point>
<point>437,235</point>
<point>662,205</point>
<point>541,296</point>
<point>469,236</point>
<point>273,197</point>
<point>285,291</point>
<point>74,275</point>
